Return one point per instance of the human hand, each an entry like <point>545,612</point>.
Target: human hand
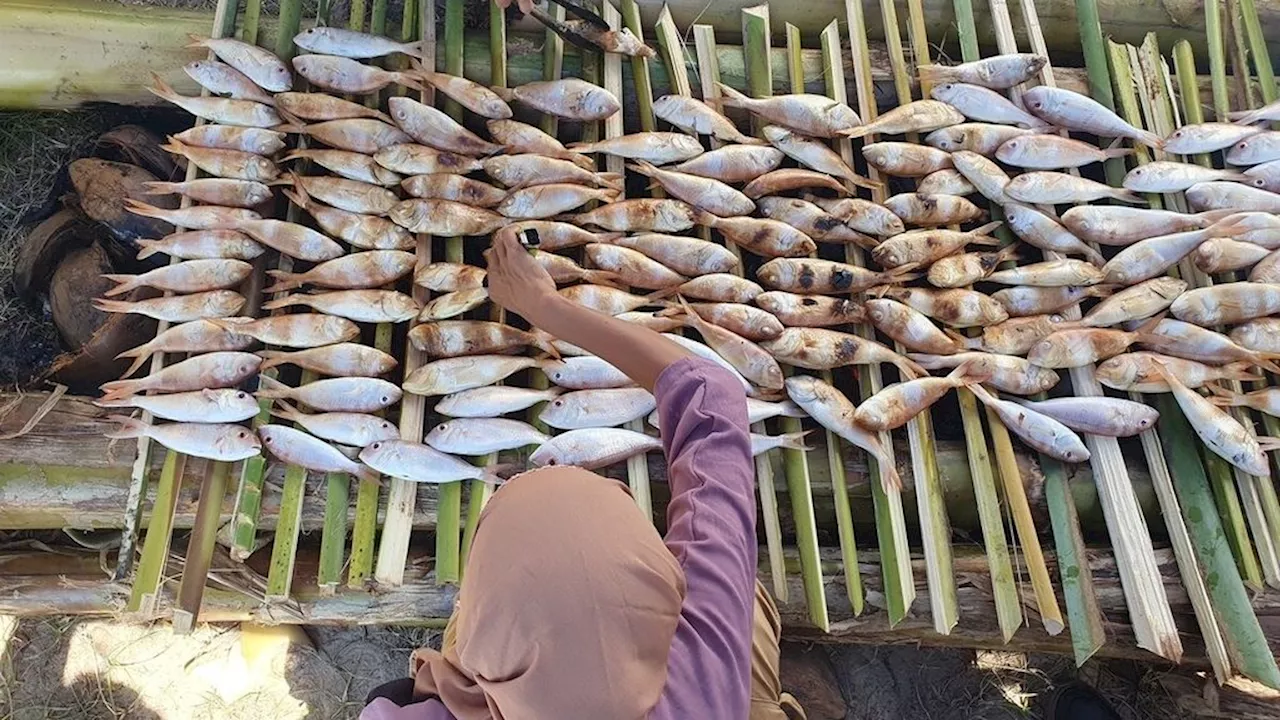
<point>525,5</point>
<point>516,281</point>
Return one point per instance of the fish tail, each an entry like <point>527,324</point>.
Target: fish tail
<point>126,283</point>
<point>583,147</point>
<point>409,80</point>
<point>889,467</point>
<point>702,217</point>
<point>908,367</point>
<point>283,281</point>
<point>732,98</point>
<point>986,230</point>
<point>113,306</point>
<point>161,188</point>
<point>147,248</point>
<point>1225,397</point>
<point>794,440</point>
<point>609,195</point>
<point>129,428</point>
<point>103,402</point>
<point>364,472</point>
<point>659,296</point>
<point>1008,253</point>
<point>576,158</point>
<point>932,74</point>
<point>643,167</point>
<point>507,94</point>
<point>1117,152</point>
<point>282,409</point>
<point>175,146</point>
<point>1124,195</point>
<point>1093,256</point>
<point>301,198</point>
<point>1267,443</point>
<point>162,89</point>
<point>856,181</point>
<point>1150,139</point>
<point>1242,370</point>
<point>859,131</point>
<point>138,207</point>
<point>198,41</point>
<point>270,388</point>
<point>286,301</point>
<point>412,49</point>
<point>292,123</point>
<point>613,181</point>
<point>1101,291</point>
<point>1267,362</point>
<point>273,358</point>
<point>122,388</point>
<point>602,277</point>
<point>901,274</point>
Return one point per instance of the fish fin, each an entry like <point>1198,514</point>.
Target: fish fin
<point>1008,253</point>
<point>121,388</point>
<point>1147,327</point>
<point>613,181</point>
<point>933,74</point>
<point>159,188</point>
<point>544,340</point>
<point>730,97</point>
<point>1093,256</point>
<point>1224,397</point>
<point>1114,150</point>
<point>270,388</point>
<point>857,181</point>
<point>1150,139</point>
<point>794,440</point>
<point>162,89</point>
<point>643,167</point>
<point>283,281</point>
<point>576,158</point>
<point>582,147</point>
<point>113,306</point>
<point>1127,196</point>
<point>902,274</point>
<point>286,411</point>
<point>603,277</point>
<point>129,428</point>
<point>409,80</point>
<point>506,93</point>
<point>1242,370</point>
<point>273,358</point>
<point>857,132</point>
<point>103,402</point>
<point>147,247</point>
<point>611,195</point>
<point>276,304</point>
<point>138,207</point>
<point>986,229</point>
<point>126,283</point>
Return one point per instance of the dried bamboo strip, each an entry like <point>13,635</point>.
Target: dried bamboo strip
<point>204,534</point>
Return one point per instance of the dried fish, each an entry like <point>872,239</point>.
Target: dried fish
<point>897,404</point>
<point>1054,152</point>
<point>352,43</point>
<point>297,448</point>
<point>470,95</point>
<point>1078,347</point>
<point>1220,432</point>
<point>292,239</point>
<point>812,220</point>
<point>433,127</point>
<point>750,322</point>
<point>1136,303</point>
<point>1266,400</point>
<point>1022,300</point>
<point>1221,254</point>
<point>451,375</point>
<point>921,247</point>
<point>1006,373</point>
<point>215,191</point>
<point>752,361</point>
<point>995,73</point>
<point>862,215</point>
<point>520,171</point>
<point>453,304</point>
<point>368,232</point>
<point>912,328</point>
<point>1137,372</point>
<point>816,115</point>
<point>958,308</point>
<point>593,448</point>
<point>1112,417</point>
<point>179,308</point>
<point>641,215</point>
<point>1227,304</point>
<point>1041,432</point>
<point>345,75</point>
<point>658,148</point>
<point>1117,225</point>
<point>811,310</point>
<point>914,117</point>
<point>211,370</point>
<point>223,111</point>
<point>544,201</point>
<point>226,405</point>
<point>822,349</point>
<point>1207,137</point>
<point>350,429</point>
<point>185,277</point>
<point>371,306</point>
<point>597,408</point>
<point>955,271</point>
<point>1051,273</point>
<point>362,135</point>
<point>202,244</point>
<point>1185,340</point>
<point>1267,270</point>
<point>412,159</point>
<point>322,106</point>
<point>197,336</point>
<point>1255,149</point>
<point>632,267</point>
<point>262,66</point>
<point>458,188</point>
<point>373,268</point>
<point>595,35</point>
<point>734,163</point>
<point>814,154</point>
<point>982,104</point>
<point>449,277</point>
<point>222,79</point>
<point>233,164</point>
<point>350,195</point>
<point>519,137</point>
<point>685,255</point>
<point>761,444</point>
<point>980,138</point>
<point>350,165</point>
<point>608,300</point>
<point>569,98</point>
<point>493,401</point>
<point>231,137</point>
<point>702,193</point>
<point>446,218</point>
<point>1073,111</point>
<point>1232,196</point>
<point>482,436</point>
<point>1040,230</point>
<point>215,441</point>
<point>1055,188</point>
<point>1265,176</point>
<point>809,276</point>
<point>587,372</point>
<point>1163,176</point>
<point>905,159</point>
<point>932,210</point>
<point>555,236</point>
<point>834,412</point>
<point>1016,336</point>
<point>716,287</point>
<point>564,270</point>
<point>761,236</point>
<point>456,338</point>
<point>304,330</point>
<point>421,463</point>
<point>985,175</point>
<point>788,179</point>
<point>698,118</point>
<point>945,182</point>
<point>704,351</point>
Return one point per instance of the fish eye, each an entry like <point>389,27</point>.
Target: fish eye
<point>376,445</point>
<point>386,399</point>
<point>1138,171</point>
<point>1177,133</point>
<point>441,427</point>
<point>387,425</point>
<point>267,439</point>
<point>241,434</point>
<point>281,70</point>
<point>1144,422</point>
<point>551,461</point>
<point>1037,104</point>
<point>558,403</point>
<point>1243,144</point>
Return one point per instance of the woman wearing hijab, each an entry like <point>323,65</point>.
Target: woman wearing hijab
<point>572,607</point>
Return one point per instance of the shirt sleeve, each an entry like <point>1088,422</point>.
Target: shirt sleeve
<point>711,531</point>
<point>383,709</point>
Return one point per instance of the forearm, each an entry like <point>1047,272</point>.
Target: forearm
<point>634,349</point>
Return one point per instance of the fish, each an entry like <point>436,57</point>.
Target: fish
<point>567,98</point>
<point>224,405</point>
<point>1267,270</point>
<point>421,463</point>
<point>1137,372</point>
<point>434,128</point>
<point>957,271</point>
<point>349,165</point>
<point>1110,417</point>
<point>362,135</point>
<point>945,182</point>
<point>632,267</point>
<point>493,401</point>
<point>932,210</point>
<point>1078,347</point>
<point>1256,115</point>
<point>1232,196</point>
<point>734,163</point>
<point>750,322</point>
<point>1117,225</point>
<point>353,43</point>
<point>215,191</point>
<point>980,138</point>
<point>685,255</point>
<point>753,361</point>
<point>340,394</point>
<point>1266,400</point>
<point>698,118</point>
<point>1042,231</point>
<point>641,215</point>
<point>1221,433</point>
<point>812,220</point>
<point>897,404</point>
<point>1040,432</point>
<point>471,95</point>
<point>716,287</point>
<point>449,277</point>
<point>220,78</point>
<point>1016,336</point>
<point>958,308</point>
<point>1207,137</point>
<point>1192,342</point>
<point>586,372</point>
<point>1227,304</point>
<point>834,412</point>
<point>450,375</point>
<point>608,300</point>
<point>1073,111</point>
<point>350,195</point>
<point>920,116</point>
<point>232,164</point>
<point>299,449</point>
<point>597,408</point>
<point>1265,176</point>
<point>188,276</point>
<point>593,448</point>
<point>345,75</point>
<point>651,320</point>
<point>564,270</point>
<point>1000,72</point>
<point>1255,149</point>
<point>219,110</point>
<point>707,194</point>
<point>457,338</point>
<point>1054,152</point>
<point>983,105</point>
<point>1221,254</point>
<point>302,330</point>
<point>815,155</point>
<point>659,148</point>
<point>815,115</point>
<point>518,137</point>
<point>555,236</point>
<point>197,336</point>
<point>762,236</point>
<point>1055,188</point>
<point>1051,273</point>
<point>214,441</point>
<point>178,308</point>
<point>370,306</point>
<point>984,174</point>
<point>369,269</point>
<point>410,159</point>
<point>1260,228</point>
<point>260,65</point>
<point>322,106</point>
<point>231,137</point>
<point>521,171</point>
<point>292,239</point>
<point>1136,303</point>
<point>761,444</point>
<point>1022,300</point>
<point>1163,176</point>
<point>808,276</point>
<point>757,411</point>
<point>811,310</point>
<point>788,179</point>
<point>704,351</point>
<point>208,371</point>
<point>595,35</point>
<point>482,436</point>
<point>912,328</point>
<point>1262,335</point>
<point>350,429</point>
<point>368,232</point>
<point>822,349</point>
<point>1006,373</point>
<point>863,216</point>
<point>544,201</point>
<point>903,159</point>
<point>202,244</point>
<point>445,218</point>
<point>916,248</point>
<point>453,304</point>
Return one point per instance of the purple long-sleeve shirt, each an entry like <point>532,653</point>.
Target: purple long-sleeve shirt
<point>711,533</point>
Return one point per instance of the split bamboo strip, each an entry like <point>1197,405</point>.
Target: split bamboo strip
<point>1239,56</point>
<point>757,51</point>
<point>252,19</point>
<point>671,46</point>
<point>204,535</point>
<point>1149,606</point>
<point>1248,11</point>
<point>145,589</point>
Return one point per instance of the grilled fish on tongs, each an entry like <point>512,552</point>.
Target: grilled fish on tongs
<point>589,31</point>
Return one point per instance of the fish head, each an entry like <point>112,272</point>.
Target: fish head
<point>946,92</point>
<point>667,106</point>
<point>238,442</point>
<point>401,109</point>
<point>1070,447</point>
<point>1034,63</point>
<point>1009,149</point>
<point>1047,353</point>
<point>1040,100</point>
<point>802,389</point>
<point>879,310</point>
<point>1120,372</point>
<point>1202,195</point>
<point>443,433</point>
<point>949,139</point>
<point>546,455</point>
<point>887,256</point>
<point>842,116</point>
<point>777,134</point>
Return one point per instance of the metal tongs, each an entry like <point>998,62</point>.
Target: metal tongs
<point>580,31</point>
<point>578,8</point>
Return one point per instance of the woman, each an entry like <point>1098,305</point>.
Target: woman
<point>571,605</point>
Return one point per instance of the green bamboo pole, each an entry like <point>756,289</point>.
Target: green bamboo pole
<point>204,534</point>
<point>671,46</point>
<point>1258,50</point>
<point>145,589</point>
<point>1217,57</point>
<point>252,20</point>
<point>552,67</point>
<point>290,19</point>
<point>358,8</point>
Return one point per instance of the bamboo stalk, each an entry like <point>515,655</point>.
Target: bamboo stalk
<point>252,19</point>
<point>671,45</point>
<point>145,589</point>
<point>356,21</point>
<point>1258,50</point>
<point>200,546</point>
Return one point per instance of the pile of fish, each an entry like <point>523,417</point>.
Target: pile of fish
<point>413,169</point>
